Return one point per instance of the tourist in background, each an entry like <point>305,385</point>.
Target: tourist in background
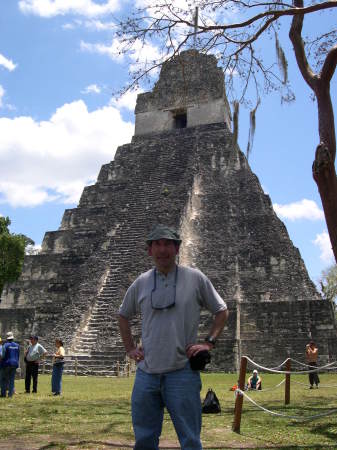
<point>311,353</point>
<point>58,363</point>
<point>255,381</point>
<point>10,362</point>
<point>170,298</point>
<point>33,355</point>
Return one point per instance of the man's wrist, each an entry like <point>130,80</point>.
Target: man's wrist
<point>211,341</point>
<point>130,349</point>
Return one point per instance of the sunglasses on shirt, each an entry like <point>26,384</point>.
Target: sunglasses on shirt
<point>163,297</point>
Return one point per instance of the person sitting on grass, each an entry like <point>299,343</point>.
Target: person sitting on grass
<point>254,381</point>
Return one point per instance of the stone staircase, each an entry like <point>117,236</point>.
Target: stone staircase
<point>97,346</point>
<point>162,196</point>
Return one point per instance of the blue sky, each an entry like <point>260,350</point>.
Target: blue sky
<point>59,121</point>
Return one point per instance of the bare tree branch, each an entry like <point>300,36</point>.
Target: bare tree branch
<point>295,35</point>
<point>329,65</point>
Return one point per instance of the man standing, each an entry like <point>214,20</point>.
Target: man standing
<point>169,298</point>
<point>10,362</point>
<point>311,352</point>
<point>33,355</point>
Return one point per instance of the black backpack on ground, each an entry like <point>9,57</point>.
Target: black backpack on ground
<point>211,403</point>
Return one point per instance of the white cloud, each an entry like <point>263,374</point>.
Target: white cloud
<point>71,191</point>
<point>112,50</point>
<point>69,26</point>
<point>303,209</point>
<point>51,8</point>
<point>22,194</point>
<point>52,160</point>
<point>137,51</point>
<point>98,25</point>
<point>92,89</point>
<point>181,4</point>
<point>2,93</point>
<point>7,63</point>
<point>90,24</point>
<point>33,249</point>
<point>323,242</point>
<point>128,100</point>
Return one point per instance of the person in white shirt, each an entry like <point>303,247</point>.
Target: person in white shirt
<point>33,355</point>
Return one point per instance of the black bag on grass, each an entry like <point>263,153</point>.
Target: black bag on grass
<point>211,403</point>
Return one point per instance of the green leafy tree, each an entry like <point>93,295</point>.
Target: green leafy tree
<point>12,252</point>
<point>329,284</point>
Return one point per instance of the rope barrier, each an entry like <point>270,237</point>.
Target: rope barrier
<point>240,395</point>
<point>299,418</point>
<point>280,365</point>
<point>269,389</point>
<point>327,366</point>
<point>264,390</point>
<point>287,372</point>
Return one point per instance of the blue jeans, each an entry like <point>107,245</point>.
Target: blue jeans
<point>7,382</point>
<point>56,378</point>
<point>179,392</point>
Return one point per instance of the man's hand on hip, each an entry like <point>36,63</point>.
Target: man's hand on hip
<point>194,349</point>
<point>137,354</point>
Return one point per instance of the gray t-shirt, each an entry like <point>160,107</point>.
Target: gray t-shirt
<point>167,332</point>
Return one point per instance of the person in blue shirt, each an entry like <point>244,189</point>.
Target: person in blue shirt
<point>10,362</point>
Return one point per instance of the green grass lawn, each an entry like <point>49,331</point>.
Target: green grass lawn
<point>94,413</point>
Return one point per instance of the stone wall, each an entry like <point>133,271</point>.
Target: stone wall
<point>18,321</point>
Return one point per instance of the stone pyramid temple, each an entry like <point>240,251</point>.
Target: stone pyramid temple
<point>183,169</point>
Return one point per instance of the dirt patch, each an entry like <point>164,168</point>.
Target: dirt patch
<point>52,444</point>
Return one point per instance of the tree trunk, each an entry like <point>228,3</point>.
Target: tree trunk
<point>323,168</point>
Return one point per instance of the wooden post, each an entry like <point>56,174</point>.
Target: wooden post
<point>287,384</point>
<point>239,397</point>
<point>75,366</point>
<point>44,366</point>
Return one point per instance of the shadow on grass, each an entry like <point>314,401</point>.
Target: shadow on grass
<point>123,446</point>
<point>326,430</point>
<point>80,445</point>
